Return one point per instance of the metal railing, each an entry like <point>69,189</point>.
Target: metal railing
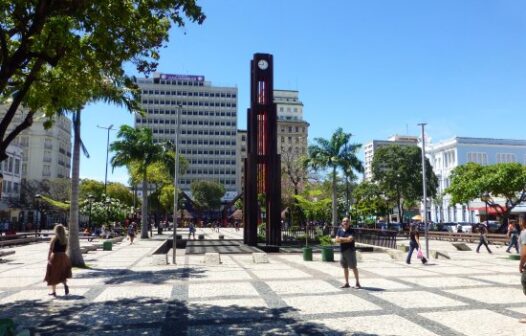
<point>297,236</point>
<point>384,238</point>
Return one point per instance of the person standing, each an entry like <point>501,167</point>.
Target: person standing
<point>58,264</point>
<point>131,232</point>
<point>483,239</point>
<point>522,262</point>
<point>513,235</point>
<point>414,244</point>
<point>345,238</point>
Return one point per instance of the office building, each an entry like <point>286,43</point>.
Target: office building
<point>371,147</point>
<point>208,128</point>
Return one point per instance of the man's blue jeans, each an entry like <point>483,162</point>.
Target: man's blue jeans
<point>412,246</point>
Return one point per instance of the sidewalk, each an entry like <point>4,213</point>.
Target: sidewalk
<point>122,294</point>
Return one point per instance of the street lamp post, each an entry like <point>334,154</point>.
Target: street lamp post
<point>1,184</point>
<point>38,197</point>
<point>109,128</point>
<point>485,197</point>
<point>424,187</point>
<point>108,203</point>
<point>90,200</point>
<point>176,175</point>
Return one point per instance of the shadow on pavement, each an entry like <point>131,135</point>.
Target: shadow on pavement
<point>147,316</point>
<point>123,275</point>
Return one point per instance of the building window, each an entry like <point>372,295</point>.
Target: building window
<point>480,158</point>
<point>505,157</point>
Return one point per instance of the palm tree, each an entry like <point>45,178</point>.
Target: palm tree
<point>74,245</point>
<point>137,146</point>
<point>349,165</point>
<point>333,154</point>
<point>120,92</point>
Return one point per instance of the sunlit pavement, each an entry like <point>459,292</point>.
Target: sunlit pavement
<point>122,293</point>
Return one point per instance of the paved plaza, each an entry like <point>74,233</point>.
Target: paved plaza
<point>122,293</point>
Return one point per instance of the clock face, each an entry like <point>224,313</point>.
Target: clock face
<point>263,65</point>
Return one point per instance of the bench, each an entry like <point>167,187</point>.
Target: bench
<point>494,238</point>
<point>19,241</point>
<point>5,253</point>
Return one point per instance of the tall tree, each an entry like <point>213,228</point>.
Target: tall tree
<point>294,176</point>
<point>136,146</point>
<point>121,192</point>
<point>350,164</point>
<point>331,154</point>
<point>74,244</point>
<point>398,171</point>
<point>91,187</point>
<point>207,194</point>
<point>370,200</point>
<point>506,181</point>
<point>43,42</point>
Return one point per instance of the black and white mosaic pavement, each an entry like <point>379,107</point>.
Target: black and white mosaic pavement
<point>122,293</point>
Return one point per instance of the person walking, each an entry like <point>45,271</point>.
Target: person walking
<point>483,238</point>
<point>513,235</point>
<point>58,268</point>
<point>131,232</point>
<point>414,244</point>
<point>191,230</point>
<point>345,238</point>
<point>522,262</point>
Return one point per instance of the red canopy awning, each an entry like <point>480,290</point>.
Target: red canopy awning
<point>491,210</point>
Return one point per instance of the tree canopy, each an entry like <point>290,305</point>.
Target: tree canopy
<point>398,172</point>
<point>370,200</point>
<point>336,153</point>
<point>207,194</point>
<point>487,183</point>
<point>49,49</point>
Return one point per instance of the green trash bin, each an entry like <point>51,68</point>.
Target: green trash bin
<point>307,254</point>
<point>107,245</point>
<point>327,253</point>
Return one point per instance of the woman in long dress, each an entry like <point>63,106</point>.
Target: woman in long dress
<point>58,264</point>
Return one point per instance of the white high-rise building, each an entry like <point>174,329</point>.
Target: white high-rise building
<point>208,125</point>
<point>371,147</point>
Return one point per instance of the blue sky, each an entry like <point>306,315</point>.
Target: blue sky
<point>375,68</point>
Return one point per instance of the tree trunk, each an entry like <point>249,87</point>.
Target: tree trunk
<point>74,245</point>
<point>144,218</point>
<point>334,208</point>
<point>347,196</point>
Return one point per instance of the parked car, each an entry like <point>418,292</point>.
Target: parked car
<point>493,226</point>
<point>466,227</point>
<point>447,227</point>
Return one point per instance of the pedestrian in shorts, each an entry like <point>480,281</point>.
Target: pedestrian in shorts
<point>345,238</point>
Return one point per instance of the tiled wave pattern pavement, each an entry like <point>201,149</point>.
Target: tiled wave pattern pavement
<point>123,294</point>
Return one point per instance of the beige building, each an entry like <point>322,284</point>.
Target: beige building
<point>11,170</point>
<point>370,148</point>
<point>292,132</point>
<point>46,153</point>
